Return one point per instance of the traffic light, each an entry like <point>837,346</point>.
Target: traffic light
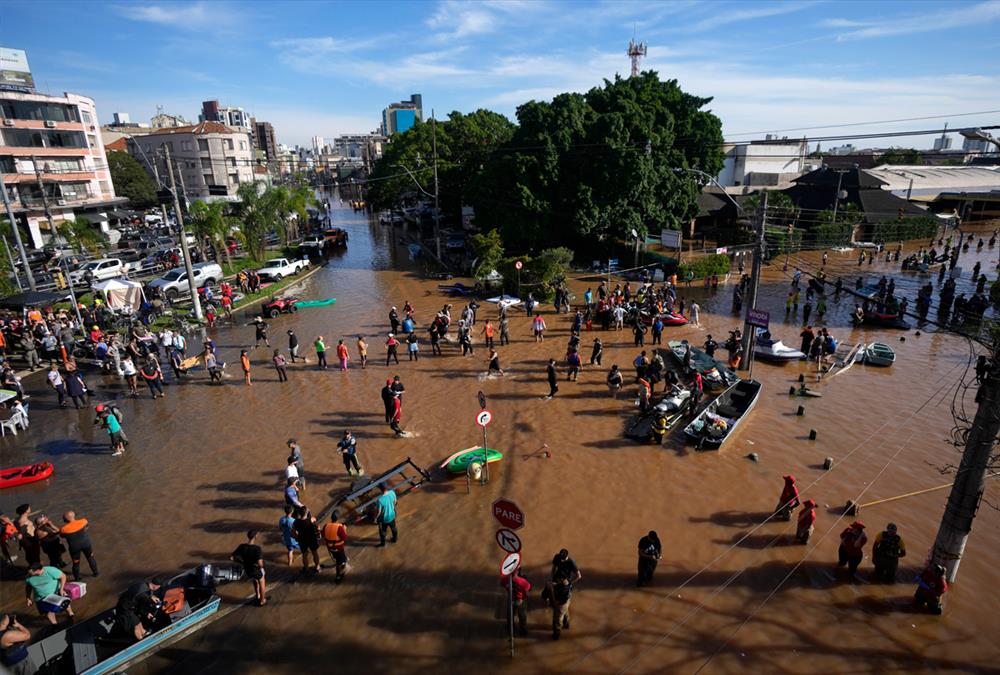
<point>900,214</point>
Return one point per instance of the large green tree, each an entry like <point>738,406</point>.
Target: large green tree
<point>257,215</point>
<point>585,169</point>
<point>131,180</point>
<point>464,144</point>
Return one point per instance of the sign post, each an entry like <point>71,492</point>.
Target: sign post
<point>756,318</point>
<point>483,419</point>
<point>511,517</point>
<point>507,568</point>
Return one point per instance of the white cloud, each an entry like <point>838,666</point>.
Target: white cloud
<point>189,16</point>
<point>319,46</point>
<point>957,16</point>
<point>455,19</point>
<point>722,17</point>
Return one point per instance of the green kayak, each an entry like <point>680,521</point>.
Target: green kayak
<point>460,461</point>
<point>316,303</point>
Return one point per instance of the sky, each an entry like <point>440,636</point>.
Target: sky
<point>794,68</point>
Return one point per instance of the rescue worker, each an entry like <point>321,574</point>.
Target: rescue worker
<point>807,521</point>
<point>852,541</point>
<point>659,429</point>
<point>335,538</point>
<point>931,585</point>
<point>788,500</point>
<point>886,552</point>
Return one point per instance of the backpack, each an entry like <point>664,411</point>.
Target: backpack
<point>116,411</point>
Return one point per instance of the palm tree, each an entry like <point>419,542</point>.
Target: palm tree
<point>257,213</point>
<point>209,220</point>
<point>80,234</point>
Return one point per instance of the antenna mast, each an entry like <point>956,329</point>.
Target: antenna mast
<point>636,50</point>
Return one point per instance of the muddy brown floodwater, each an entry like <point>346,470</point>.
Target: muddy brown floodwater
<point>205,465</point>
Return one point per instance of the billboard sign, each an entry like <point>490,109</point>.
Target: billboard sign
<point>758,317</point>
<point>14,71</point>
<point>670,238</point>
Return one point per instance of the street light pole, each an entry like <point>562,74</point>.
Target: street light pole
<point>437,209</point>
<point>52,228</point>
<point>192,286</point>
<point>17,236</point>
<point>749,336</point>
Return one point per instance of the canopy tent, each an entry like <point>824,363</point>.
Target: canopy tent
<point>33,299</point>
<point>120,293</point>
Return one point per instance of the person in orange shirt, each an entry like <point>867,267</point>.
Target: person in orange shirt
<point>34,316</point>
<point>488,332</point>
<point>342,354</point>
<point>335,538</point>
<point>245,362</point>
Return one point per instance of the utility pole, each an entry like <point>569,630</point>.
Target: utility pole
<point>967,490</point>
<point>437,209</point>
<point>52,228</point>
<point>163,207</point>
<point>195,300</point>
<point>749,336</point>
<point>17,235</point>
<point>13,267</point>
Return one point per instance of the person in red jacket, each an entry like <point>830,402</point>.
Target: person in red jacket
<point>807,519</point>
<point>931,585</point>
<point>521,588</point>
<point>852,541</point>
<point>788,500</point>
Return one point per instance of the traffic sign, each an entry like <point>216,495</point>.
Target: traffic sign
<point>482,400</point>
<point>508,541</point>
<point>483,418</point>
<point>518,265</point>
<point>508,514</point>
<point>510,564</point>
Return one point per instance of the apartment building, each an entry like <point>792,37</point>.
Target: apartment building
<point>60,136</point>
<point>210,159</point>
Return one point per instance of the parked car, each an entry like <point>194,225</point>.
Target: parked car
<point>278,268</point>
<point>97,270</point>
<point>313,241</point>
<point>175,282</point>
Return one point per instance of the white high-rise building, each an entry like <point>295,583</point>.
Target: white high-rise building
<point>318,143</point>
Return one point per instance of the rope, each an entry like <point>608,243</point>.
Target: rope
<point>912,494</point>
<point>736,544</point>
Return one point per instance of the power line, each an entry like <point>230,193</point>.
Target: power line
<point>863,124</point>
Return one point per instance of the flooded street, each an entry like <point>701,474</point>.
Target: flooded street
<point>206,463</point>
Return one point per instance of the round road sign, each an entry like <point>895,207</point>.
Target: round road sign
<point>510,563</point>
<point>508,541</point>
<point>518,265</point>
<point>483,418</point>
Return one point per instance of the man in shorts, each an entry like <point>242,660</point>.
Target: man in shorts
<point>252,559</point>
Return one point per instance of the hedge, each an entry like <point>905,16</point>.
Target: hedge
<point>706,266</point>
<point>908,228</point>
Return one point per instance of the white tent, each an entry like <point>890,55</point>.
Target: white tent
<point>120,293</point>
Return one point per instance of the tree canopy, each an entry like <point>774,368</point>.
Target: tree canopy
<point>587,168</point>
<point>131,180</point>
<point>464,144</point>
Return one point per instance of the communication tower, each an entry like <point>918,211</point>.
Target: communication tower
<point>636,50</point>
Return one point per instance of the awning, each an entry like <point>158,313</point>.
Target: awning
<point>33,299</point>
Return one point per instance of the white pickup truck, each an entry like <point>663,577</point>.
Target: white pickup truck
<point>279,268</point>
<point>98,270</point>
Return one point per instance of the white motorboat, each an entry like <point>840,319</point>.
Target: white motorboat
<point>505,300</point>
<point>775,351</point>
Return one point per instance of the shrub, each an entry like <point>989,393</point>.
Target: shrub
<point>706,266</point>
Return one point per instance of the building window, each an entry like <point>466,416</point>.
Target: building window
<point>232,162</point>
<point>32,110</point>
<point>243,145</point>
<point>105,187</point>
<point>202,145</point>
<point>206,163</point>
<point>208,179</point>
<point>229,144</point>
<point>43,138</point>
<point>74,191</point>
<point>234,179</point>
<point>186,145</point>
<point>86,116</point>
<point>92,140</point>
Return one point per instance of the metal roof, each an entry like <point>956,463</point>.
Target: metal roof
<point>933,180</point>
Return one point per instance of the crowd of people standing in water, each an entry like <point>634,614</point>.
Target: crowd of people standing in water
<point>643,310</point>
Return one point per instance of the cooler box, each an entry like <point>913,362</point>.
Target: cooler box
<point>75,589</point>
<point>53,603</point>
